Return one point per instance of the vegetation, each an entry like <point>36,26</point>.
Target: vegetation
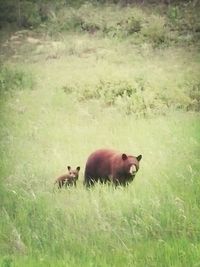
<point>74,78</point>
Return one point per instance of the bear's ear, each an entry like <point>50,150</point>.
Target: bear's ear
<point>139,157</point>
<point>69,168</point>
<point>124,156</point>
<point>78,168</point>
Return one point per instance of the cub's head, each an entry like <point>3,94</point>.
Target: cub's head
<point>131,164</point>
<point>73,173</point>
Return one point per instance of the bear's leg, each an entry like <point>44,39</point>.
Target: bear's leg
<point>60,184</point>
<point>88,182</point>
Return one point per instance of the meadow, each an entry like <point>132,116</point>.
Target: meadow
<point>65,92</point>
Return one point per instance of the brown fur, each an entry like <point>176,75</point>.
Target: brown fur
<point>68,179</point>
<point>107,165</point>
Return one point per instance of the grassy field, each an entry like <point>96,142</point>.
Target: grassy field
<point>63,96</point>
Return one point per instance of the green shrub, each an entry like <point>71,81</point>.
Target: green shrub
<point>129,98</point>
<point>155,31</point>
<point>8,11</point>
<point>133,25</point>
<point>29,14</point>
<point>185,21</point>
<point>24,13</point>
<point>139,97</point>
<point>124,28</point>
<point>107,91</point>
<point>194,95</point>
<point>173,13</point>
<point>11,80</point>
<point>84,18</point>
<point>7,261</point>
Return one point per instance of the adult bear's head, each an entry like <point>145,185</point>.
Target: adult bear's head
<point>131,164</point>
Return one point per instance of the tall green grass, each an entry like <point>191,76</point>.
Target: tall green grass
<point>62,99</point>
<point>155,221</point>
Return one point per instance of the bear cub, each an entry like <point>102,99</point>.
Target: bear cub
<point>68,179</point>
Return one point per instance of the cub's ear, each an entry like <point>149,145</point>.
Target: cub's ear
<point>139,157</point>
<point>78,168</point>
<point>69,168</point>
<point>124,156</point>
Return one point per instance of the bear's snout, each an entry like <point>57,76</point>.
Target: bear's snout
<point>133,170</point>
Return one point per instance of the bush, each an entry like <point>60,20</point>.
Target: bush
<point>133,25</point>
<point>194,95</point>
<point>8,12</point>
<point>24,13</point>
<point>124,28</point>
<point>139,97</point>
<point>27,13</point>
<point>108,92</point>
<point>155,31</point>
<point>129,98</point>
<point>173,14</point>
<point>11,80</point>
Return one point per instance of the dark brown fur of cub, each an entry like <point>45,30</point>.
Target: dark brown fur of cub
<point>68,179</point>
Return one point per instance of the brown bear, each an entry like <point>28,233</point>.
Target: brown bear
<point>69,178</point>
<point>105,165</point>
